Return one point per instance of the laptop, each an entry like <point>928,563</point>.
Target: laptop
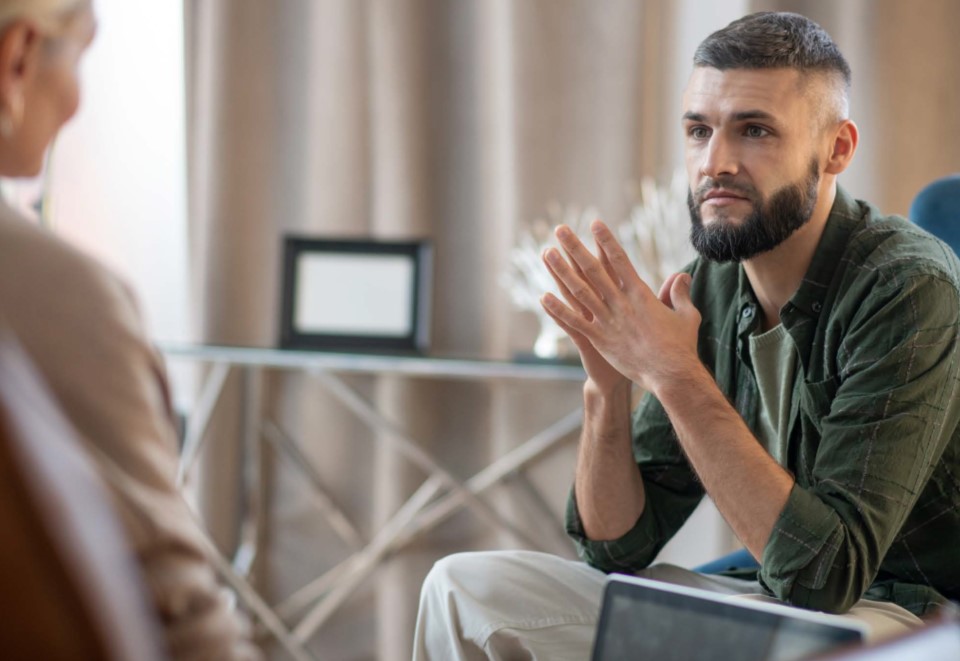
<point>644,619</point>
<point>936,641</point>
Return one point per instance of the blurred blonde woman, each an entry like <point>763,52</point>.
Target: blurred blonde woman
<point>79,325</point>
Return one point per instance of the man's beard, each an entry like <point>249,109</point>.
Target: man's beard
<point>768,225</point>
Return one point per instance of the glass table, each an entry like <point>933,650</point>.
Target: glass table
<point>438,497</point>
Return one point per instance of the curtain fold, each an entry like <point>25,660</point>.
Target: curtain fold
<point>905,99</point>
<point>458,122</point>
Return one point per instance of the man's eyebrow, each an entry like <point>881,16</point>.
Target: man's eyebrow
<point>741,116</point>
<point>753,114</point>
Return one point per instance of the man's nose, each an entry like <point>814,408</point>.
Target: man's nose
<point>720,158</point>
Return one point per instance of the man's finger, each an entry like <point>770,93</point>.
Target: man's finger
<point>608,267</point>
<point>579,340</point>
<point>576,269</point>
<point>565,316</point>
<point>680,294</point>
<point>570,298</point>
<point>593,271</point>
<point>625,275</point>
<point>575,289</point>
<point>664,294</point>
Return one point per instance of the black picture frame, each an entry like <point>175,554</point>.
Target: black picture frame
<point>324,278</point>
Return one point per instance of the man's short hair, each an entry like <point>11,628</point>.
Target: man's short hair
<point>778,40</point>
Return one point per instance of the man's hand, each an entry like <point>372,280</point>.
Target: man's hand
<point>609,489</point>
<point>603,376</point>
<point>622,328</point>
<point>630,331</point>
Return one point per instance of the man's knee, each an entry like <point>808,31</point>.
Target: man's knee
<point>460,596</point>
<point>463,573</point>
<point>442,576</point>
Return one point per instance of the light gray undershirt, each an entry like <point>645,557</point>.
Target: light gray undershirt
<point>774,359</point>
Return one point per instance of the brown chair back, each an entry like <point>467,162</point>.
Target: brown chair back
<point>70,589</point>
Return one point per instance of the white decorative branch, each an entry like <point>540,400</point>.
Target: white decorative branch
<point>655,236</point>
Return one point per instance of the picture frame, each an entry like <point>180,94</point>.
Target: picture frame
<point>356,295</point>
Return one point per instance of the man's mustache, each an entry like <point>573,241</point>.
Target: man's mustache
<point>740,188</point>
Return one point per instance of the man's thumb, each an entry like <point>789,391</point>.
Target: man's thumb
<point>680,293</point>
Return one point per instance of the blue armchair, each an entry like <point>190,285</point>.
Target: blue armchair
<point>936,209</point>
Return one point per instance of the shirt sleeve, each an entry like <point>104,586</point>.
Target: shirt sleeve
<point>893,408</point>
<point>671,490</point>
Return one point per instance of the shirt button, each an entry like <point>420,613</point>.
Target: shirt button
<point>747,312</point>
<point>816,306</point>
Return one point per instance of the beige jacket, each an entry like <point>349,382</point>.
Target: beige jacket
<point>80,326</point>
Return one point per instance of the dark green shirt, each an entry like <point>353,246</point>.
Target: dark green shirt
<point>874,440</point>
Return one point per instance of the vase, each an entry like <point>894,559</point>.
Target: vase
<point>552,343</point>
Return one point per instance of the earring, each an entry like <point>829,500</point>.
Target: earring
<point>11,117</point>
<point>6,124</point>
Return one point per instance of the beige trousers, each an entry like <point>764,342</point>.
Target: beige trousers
<point>512,605</point>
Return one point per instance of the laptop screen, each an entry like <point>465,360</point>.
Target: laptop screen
<point>649,620</point>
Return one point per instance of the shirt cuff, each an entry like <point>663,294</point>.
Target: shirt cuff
<point>798,560</point>
<point>633,551</point>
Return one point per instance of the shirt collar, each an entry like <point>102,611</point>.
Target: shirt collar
<point>845,216</point>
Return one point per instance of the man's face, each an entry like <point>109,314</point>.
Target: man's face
<point>751,154</point>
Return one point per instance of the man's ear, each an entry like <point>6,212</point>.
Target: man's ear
<point>845,138</point>
<point>19,52</point>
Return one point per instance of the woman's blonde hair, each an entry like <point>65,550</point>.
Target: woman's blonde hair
<point>50,15</point>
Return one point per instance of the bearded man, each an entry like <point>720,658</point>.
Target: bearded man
<point>802,372</point>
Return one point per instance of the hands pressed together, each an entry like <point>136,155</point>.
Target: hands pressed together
<point>624,332</point>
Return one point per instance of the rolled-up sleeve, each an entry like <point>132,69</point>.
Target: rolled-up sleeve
<point>672,491</point>
<point>892,410</point>
<point>662,516</point>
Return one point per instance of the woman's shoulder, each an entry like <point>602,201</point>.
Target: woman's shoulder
<point>63,304</point>
<point>37,268</point>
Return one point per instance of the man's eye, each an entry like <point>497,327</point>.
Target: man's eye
<point>700,133</point>
<point>756,132</point>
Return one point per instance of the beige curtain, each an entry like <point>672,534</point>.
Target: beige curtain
<point>457,120</point>
<point>905,58</point>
